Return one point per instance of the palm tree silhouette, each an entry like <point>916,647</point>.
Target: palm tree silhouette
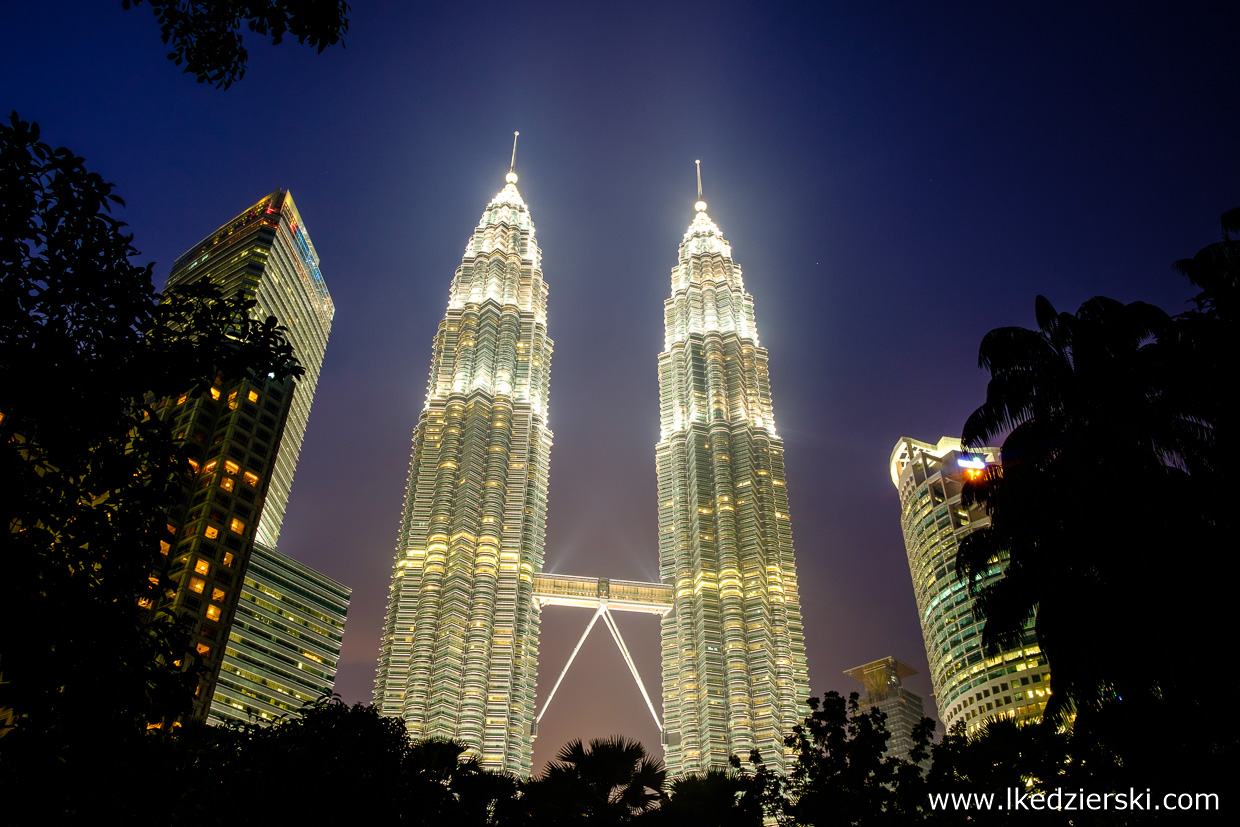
<point>1094,506</point>
<point>611,781</point>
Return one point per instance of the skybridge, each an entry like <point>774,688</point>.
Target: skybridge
<point>604,596</point>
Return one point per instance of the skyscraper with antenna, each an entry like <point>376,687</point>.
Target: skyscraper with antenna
<point>734,669</point>
<point>458,657</point>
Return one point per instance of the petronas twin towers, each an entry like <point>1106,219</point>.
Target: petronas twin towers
<point>459,654</point>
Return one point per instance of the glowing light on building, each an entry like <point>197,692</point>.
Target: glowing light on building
<point>734,668</point>
<point>266,254</point>
<point>969,685</point>
<point>459,653</point>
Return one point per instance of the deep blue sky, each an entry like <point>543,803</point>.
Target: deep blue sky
<point>896,179</point>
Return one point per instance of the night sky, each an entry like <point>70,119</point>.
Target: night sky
<point>896,179</point>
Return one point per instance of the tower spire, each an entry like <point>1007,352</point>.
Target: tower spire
<point>511,177</point>
<point>700,206</point>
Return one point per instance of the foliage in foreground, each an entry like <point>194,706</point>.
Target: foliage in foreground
<point>86,346</point>
<point>1113,514</point>
<point>205,35</point>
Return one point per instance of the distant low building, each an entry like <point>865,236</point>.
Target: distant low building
<point>886,692</point>
<point>969,686</point>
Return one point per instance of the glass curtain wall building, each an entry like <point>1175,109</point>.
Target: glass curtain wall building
<point>969,686</point>
<point>734,668</point>
<point>243,439</point>
<point>458,657</point>
<point>284,643</point>
<point>266,254</point>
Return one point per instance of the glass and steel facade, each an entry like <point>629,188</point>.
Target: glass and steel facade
<point>734,668</point>
<point>244,438</point>
<point>284,643</point>
<point>266,254</point>
<point>458,657</point>
<point>969,686</point>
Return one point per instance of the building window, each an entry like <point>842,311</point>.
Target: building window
<point>237,526</point>
<point>251,479</point>
<point>202,567</point>
<point>253,397</point>
<point>203,649</point>
<point>215,393</point>
<point>228,559</point>
<point>231,467</point>
<point>197,584</point>
<point>227,483</point>
<point>217,595</point>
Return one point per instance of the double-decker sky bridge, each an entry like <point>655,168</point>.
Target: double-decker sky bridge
<point>604,596</point>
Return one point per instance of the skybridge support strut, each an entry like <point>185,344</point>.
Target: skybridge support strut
<point>610,623</point>
<point>571,658</point>
<point>624,650</point>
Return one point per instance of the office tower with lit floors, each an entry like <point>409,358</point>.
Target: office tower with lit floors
<point>969,685</point>
<point>243,437</point>
<point>284,642</point>
<point>734,668</point>
<point>459,653</point>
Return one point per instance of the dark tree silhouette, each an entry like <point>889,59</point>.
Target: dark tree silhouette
<point>340,763</point>
<point>716,798</point>
<point>89,470</point>
<point>205,35</point>
<point>841,775</point>
<point>611,781</point>
<point>1094,500</point>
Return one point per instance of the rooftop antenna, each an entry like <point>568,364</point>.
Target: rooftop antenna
<point>700,206</point>
<point>511,177</point>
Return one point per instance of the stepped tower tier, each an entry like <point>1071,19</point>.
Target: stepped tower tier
<point>459,653</point>
<point>734,668</point>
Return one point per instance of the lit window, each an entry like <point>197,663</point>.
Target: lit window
<point>231,467</point>
<point>164,547</point>
<point>227,483</point>
<point>217,595</point>
<point>228,558</point>
<point>237,526</point>
<point>202,566</point>
<point>212,532</point>
<point>203,649</point>
<point>253,396</point>
<point>197,584</point>
<point>213,612</point>
<point>215,393</point>
<point>194,464</point>
<point>146,603</point>
<point>251,478</point>
<point>184,396</point>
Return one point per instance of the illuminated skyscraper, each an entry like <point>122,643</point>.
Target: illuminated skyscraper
<point>734,671</point>
<point>459,653</point>
<point>968,685</point>
<point>266,254</point>
<point>243,438</point>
